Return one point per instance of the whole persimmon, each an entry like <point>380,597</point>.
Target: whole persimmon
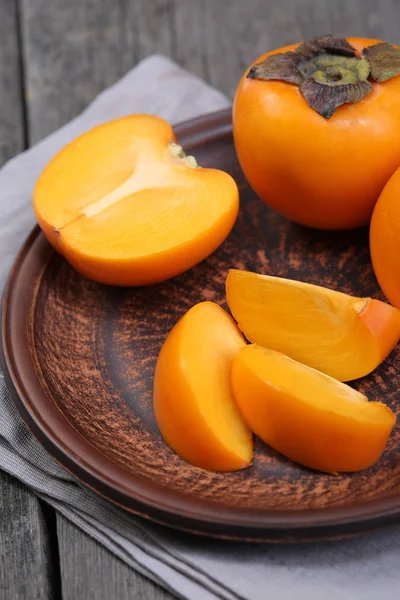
<point>385,239</point>
<point>316,128</point>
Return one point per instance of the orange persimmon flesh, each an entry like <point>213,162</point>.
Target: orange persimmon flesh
<point>126,207</point>
<point>193,403</point>
<point>341,335</point>
<point>306,415</point>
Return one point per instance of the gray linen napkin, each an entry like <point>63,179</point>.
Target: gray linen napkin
<point>193,568</point>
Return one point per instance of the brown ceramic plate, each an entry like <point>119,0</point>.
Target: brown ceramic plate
<point>79,359</point>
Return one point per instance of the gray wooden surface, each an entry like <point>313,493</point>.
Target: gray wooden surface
<point>11,113</point>
<point>55,56</point>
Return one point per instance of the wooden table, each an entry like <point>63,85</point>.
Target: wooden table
<point>55,56</point>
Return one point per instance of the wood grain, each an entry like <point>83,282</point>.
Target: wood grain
<point>27,566</point>
<point>11,114</point>
<point>90,572</point>
<point>26,569</point>
<point>74,49</point>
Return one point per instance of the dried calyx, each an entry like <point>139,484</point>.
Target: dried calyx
<point>329,72</point>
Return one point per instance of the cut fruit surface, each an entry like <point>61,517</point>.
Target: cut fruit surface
<point>193,403</point>
<point>341,335</point>
<point>306,415</point>
<point>125,206</point>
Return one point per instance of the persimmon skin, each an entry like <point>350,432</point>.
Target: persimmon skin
<point>307,416</point>
<point>385,240</point>
<point>123,209</point>
<point>323,173</point>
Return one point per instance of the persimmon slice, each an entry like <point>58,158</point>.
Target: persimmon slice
<point>193,403</point>
<point>306,415</point>
<point>343,336</point>
<point>126,206</point>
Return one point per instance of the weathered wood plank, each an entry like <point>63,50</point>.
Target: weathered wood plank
<point>11,121</point>
<point>26,566</point>
<point>89,571</point>
<point>74,49</point>
<point>27,570</point>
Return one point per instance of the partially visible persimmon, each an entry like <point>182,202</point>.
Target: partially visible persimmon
<point>193,403</point>
<point>341,335</point>
<point>385,239</point>
<point>306,415</point>
<point>126,206</point>
<point>316,128</point>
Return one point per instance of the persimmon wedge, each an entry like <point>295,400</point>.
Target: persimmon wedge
<point>125,206</point>
<point>193,403</point>
<point>341,335</point>
<point>306,415</point>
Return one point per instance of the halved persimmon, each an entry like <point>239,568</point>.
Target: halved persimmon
<point>193,403</point>
<point>309,417</point>
<point>341,335</point>
<point>126,206</point>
